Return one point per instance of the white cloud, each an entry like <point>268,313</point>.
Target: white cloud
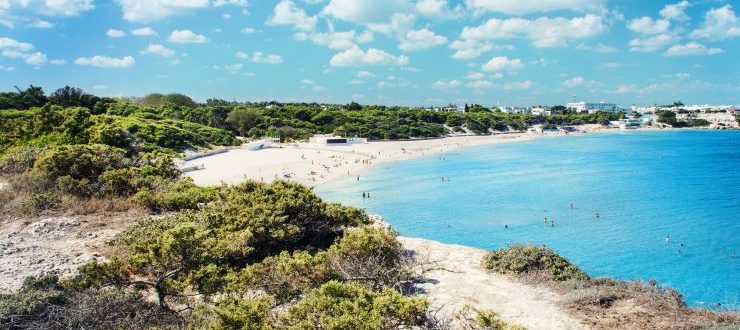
<point>249,30</point>
<point>599,48</point>
<point>366,12</point>
<point>444,84</point>
<point>186,36</point>
<point>113,33</point>
<point>7,68</point>
<point>233,68</point>
<point>145,31</point>
<point>58,62</point>
<point>652,44</point>
<point>364,74</point>
<point>475,76</point>
<point>336,40</point>
<point>574,82</point>
<point>308,82</point>
<point>357,57</point>
<point>355,82</point>
<point>691,49</point>
<point>527,84</point>
<point>17,49</point>
<point>155,10</point>
<point>158,50</point>
<point>420,39</point>
<point>519,7</point>
<point>100,87</point>
<point>466,49</point>
<point>25,12</point>
<point>646,25</point>
<point>542,32</point>
<point>719,24</point>
<point>260,57</point>
<point>676,11</point>
<point>287,13</point>
<point>106,62</point>
<point>439,9</point>
<point>479,84</point>
<point>501,63</point>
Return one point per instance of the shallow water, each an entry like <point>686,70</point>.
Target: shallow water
<point>645,186</point>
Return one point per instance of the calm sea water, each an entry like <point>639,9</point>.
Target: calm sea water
<point>645,186</point>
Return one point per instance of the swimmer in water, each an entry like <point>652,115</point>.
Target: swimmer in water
<point>597,215</point>
<point>506,226</point>
<point>667,239</point>
<point>571,205</point>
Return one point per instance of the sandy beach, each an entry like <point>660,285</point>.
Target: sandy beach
<point>313,164</point>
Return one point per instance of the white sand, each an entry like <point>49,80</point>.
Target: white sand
<point>312,164</point>
<point>461,281</point>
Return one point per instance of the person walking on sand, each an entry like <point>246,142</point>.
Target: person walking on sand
<point>363,195</point>
<point>358,177</point>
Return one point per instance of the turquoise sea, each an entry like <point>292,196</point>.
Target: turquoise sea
<point>645,186</point>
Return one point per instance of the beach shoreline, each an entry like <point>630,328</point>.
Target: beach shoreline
<point>313,165</point>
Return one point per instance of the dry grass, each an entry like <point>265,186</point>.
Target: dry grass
<point>609,304</point>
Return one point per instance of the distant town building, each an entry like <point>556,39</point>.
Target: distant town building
<point>449,108</point>
<point>541,110</point>
<point>516,109</point>
<point>592,107</point>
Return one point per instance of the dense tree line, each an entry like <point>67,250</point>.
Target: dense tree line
<point>297,120</point>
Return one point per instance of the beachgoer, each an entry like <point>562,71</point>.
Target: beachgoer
<point>364,195</point>
<point>667,239</point>
<point>571,205</point>
<point>597,215</point>
<point>358,177</point>
<point>506,226</point>
<point>368,194</point>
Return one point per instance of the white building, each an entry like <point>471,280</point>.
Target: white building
<point>516,109</point>
<point>540,110</point>
<point>592,107</point>
<point>333,140</point>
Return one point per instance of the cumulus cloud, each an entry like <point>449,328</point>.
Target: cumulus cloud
<point>113,33</point>
<point>719,24</point>
<point>158,50</point>
<point>676,11</point>
<point>260,57</point>
<point>106,62</point>
<point>26,12</point>
<point>466,49</point>
<point>574,82</point>
<point>444,84</point>
<point>599,48</point>
<point>145,31</point>
<point>420,39</point>
<point>501,63</point>
<point>646,25</point>
<point>287,13</point>
<point>653,43</point>
<point>336,40</point>
<point>691,49</point>
<point>542,32</point>
<point>519,7</point>
<point>366,12</point>
<point>154,10</point>
<point>357,57</point>
<point>527,84</point>
<point>21,50</point>
<point>186,37</point>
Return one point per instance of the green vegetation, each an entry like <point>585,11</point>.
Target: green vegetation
<point>532,260</point>
<point>669,117</point>
<point>233,263</point>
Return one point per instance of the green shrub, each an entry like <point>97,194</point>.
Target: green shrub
<point>18,160</point>
<point>41,202</point>
<point>242,314</point>
<point>530,259</point>
<point>337,305</point>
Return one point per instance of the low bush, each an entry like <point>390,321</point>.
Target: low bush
<point>337,305</point>
<point>533,260</point>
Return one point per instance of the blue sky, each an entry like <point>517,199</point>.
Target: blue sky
<point>394,52</point>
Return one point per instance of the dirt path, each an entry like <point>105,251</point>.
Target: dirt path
<point>464,282</point>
